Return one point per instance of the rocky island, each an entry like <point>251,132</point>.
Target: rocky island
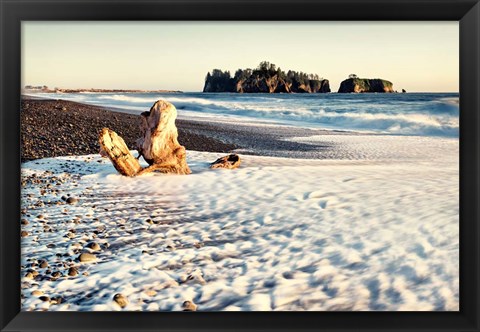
<point>266,78</point>
<point>359,85</point>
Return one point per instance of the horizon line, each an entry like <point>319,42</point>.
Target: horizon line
<point>237,93</point>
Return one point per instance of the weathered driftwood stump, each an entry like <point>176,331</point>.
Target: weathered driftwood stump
<point>231,161</point>
<point>117,151</point>
<point>158,145</point>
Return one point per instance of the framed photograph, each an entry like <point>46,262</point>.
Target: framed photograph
<point>240,165</point>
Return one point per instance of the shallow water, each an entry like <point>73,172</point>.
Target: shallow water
<point>425,114</point>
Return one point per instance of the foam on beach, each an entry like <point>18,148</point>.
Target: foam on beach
<point>378,233</point>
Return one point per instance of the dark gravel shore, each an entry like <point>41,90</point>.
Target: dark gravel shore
<point>51,128</point>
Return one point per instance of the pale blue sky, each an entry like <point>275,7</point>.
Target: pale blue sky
<point>416,56</point>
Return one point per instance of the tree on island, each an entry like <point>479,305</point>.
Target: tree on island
<point>242,74</point>
<point>266,78</point>
<point>358,85</point>
<point>220,80</point>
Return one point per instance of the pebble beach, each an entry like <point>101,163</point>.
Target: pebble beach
<point>51,128</point>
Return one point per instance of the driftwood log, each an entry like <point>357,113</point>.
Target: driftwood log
<point>231,161</point>
<point>158,145</point>
<point>117,151</point>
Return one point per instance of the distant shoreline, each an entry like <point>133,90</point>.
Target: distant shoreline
<point>62,90</point>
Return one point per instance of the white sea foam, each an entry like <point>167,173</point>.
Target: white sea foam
<point>385,148</point>
<point>450,100</point>
<point>126,98</point>
<point>275,234</point>
<point>200,101</point>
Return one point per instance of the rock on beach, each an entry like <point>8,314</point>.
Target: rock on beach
<point>121,300</point>
<point>87,257</point>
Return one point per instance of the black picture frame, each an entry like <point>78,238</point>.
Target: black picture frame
<point>13,12</point>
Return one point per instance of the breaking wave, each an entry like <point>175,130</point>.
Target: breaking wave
<point>432,114</point>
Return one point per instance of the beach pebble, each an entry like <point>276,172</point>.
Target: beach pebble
<point>150,292</point>
<point>72,200</point>
<point>57,300</point>
<point>194,279</point>
<point>29,275</point>
<point>121,300</point>
<point>94,246</point>
<point>87,257</point>
<point>57,274</point>
<point>23,233</point>
<point>100,229</point>
<point>73,271</point>
<point>24,222</point>
<point>44,298</point>
<point>189,306</point>
<point>37,292</point>
<point>43,263</point>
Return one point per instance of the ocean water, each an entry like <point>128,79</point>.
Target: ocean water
<point>423,114</point>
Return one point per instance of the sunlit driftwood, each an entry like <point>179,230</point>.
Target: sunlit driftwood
<point>158,145</point>
<point>230,162</point>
